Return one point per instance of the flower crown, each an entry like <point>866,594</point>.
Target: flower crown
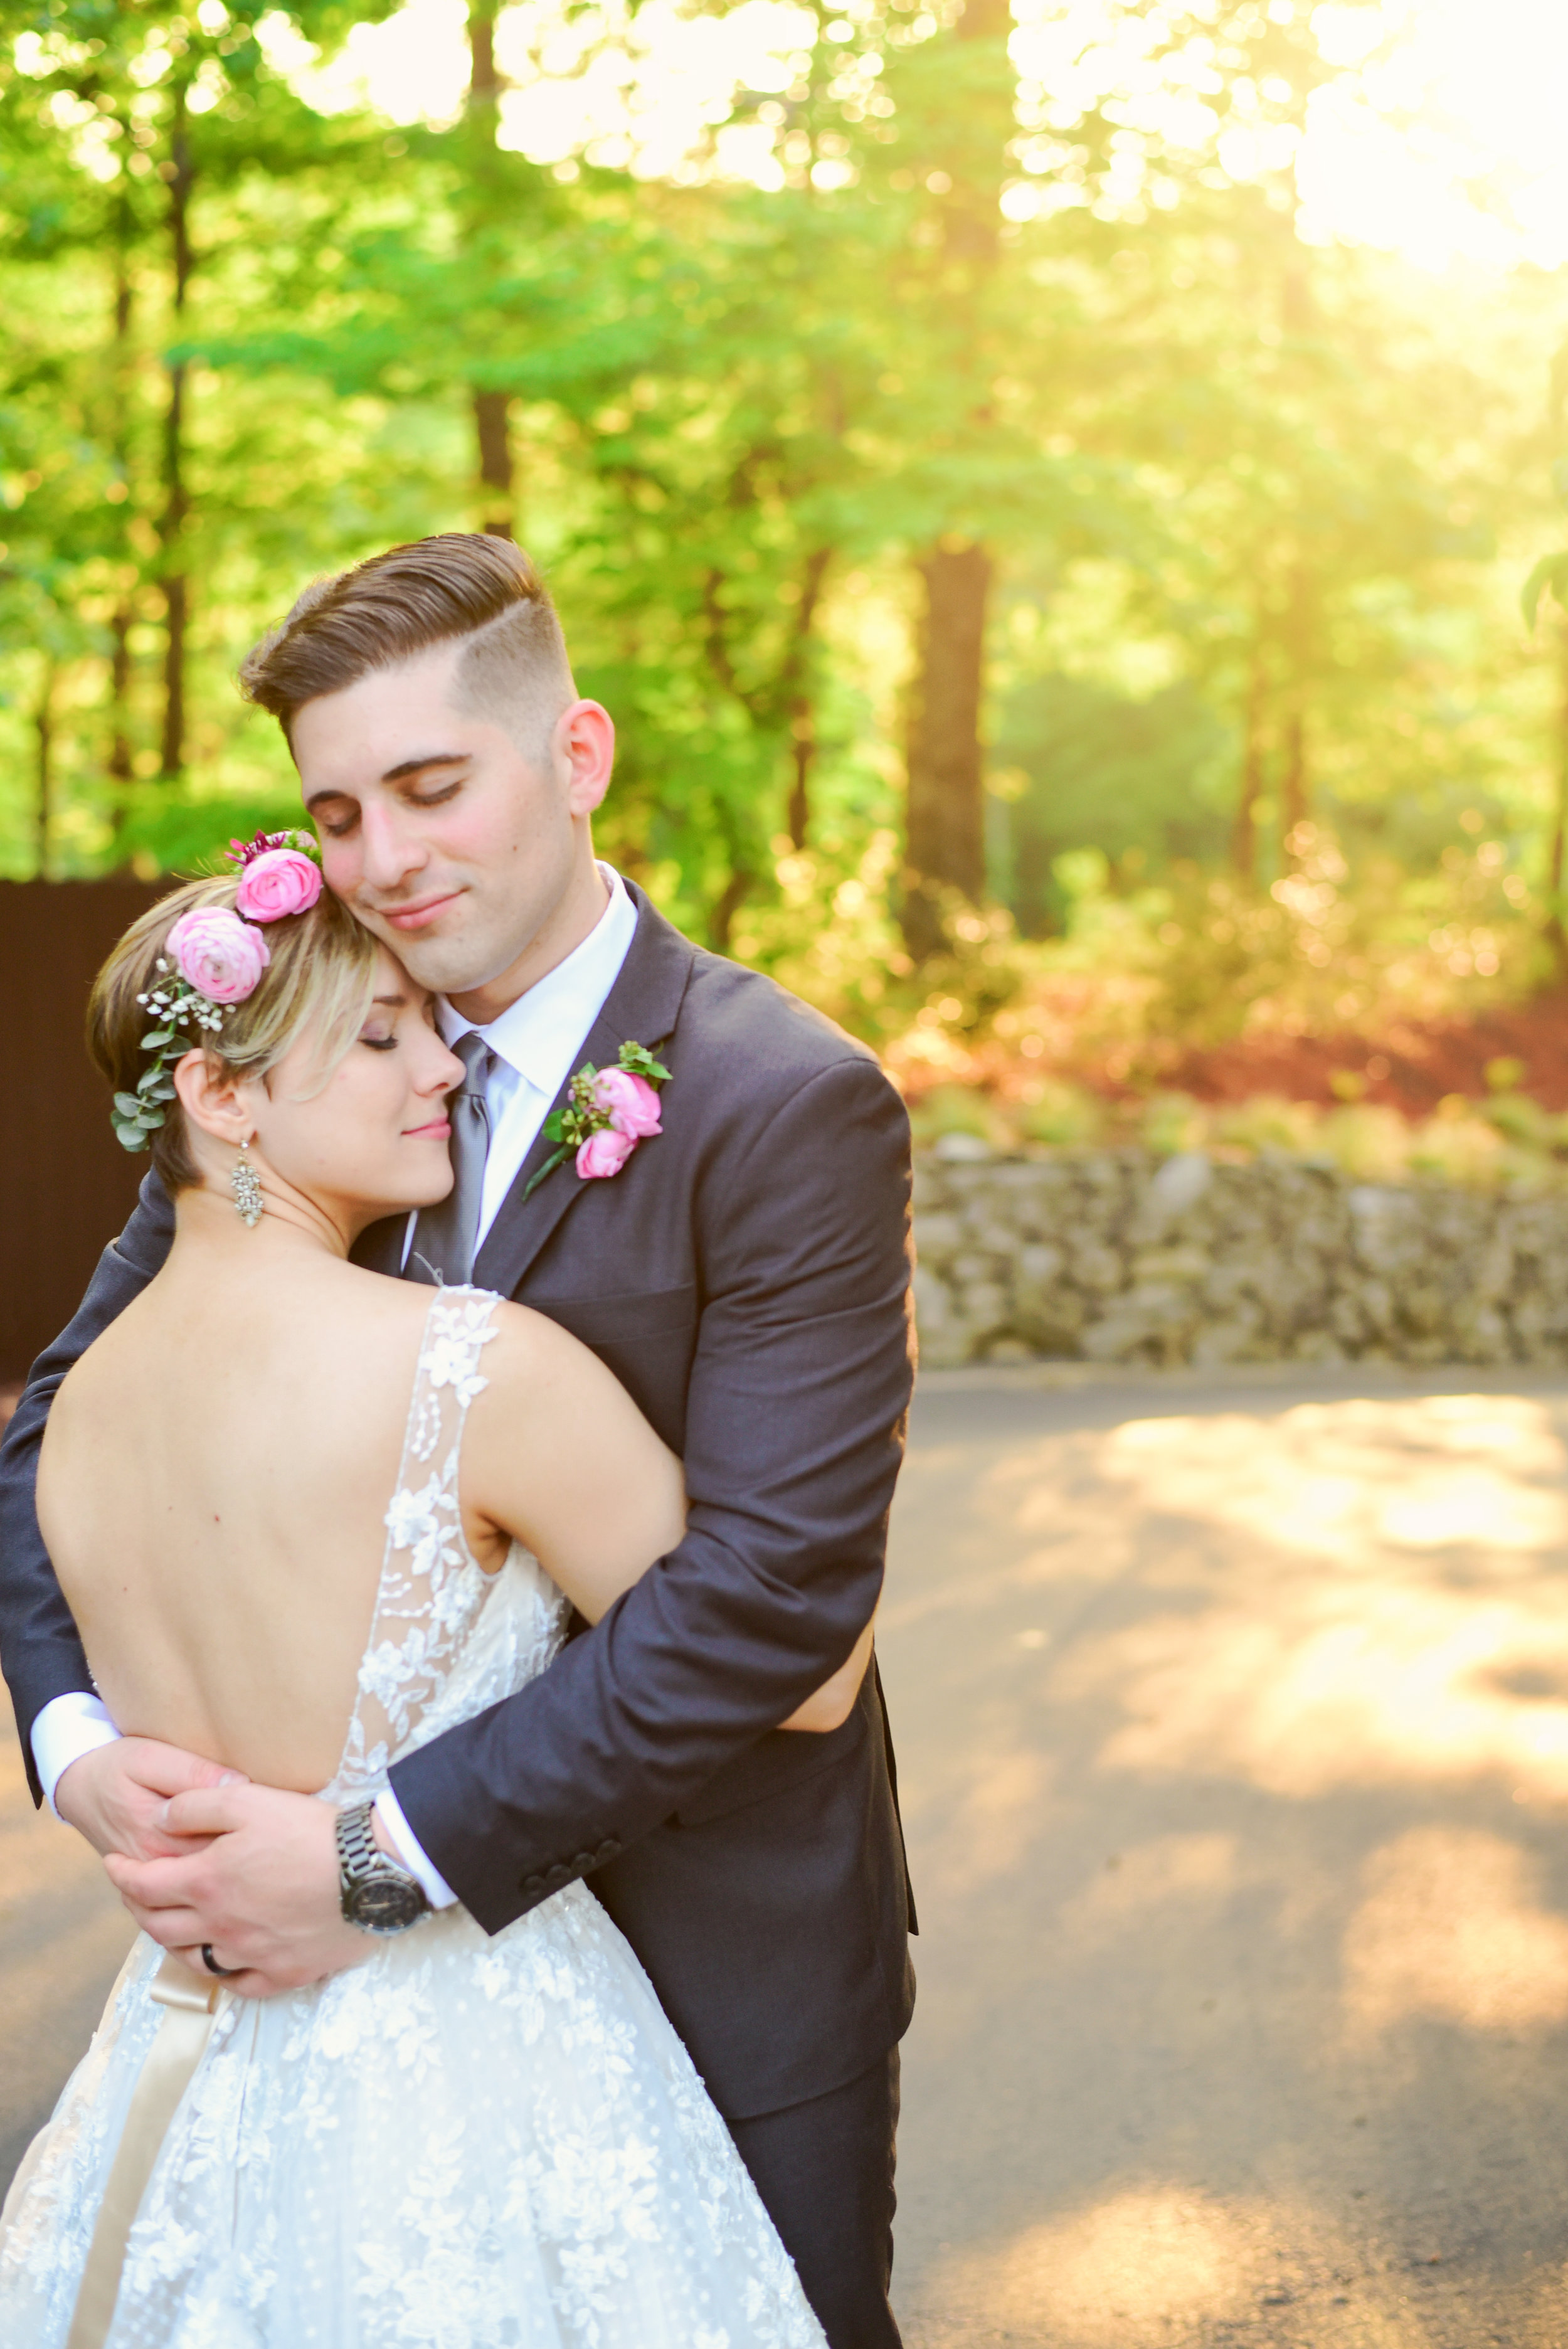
<point>212,959</point>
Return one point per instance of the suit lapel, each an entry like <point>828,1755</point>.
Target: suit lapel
<point>642,1006</point>
<point>380,1249</point>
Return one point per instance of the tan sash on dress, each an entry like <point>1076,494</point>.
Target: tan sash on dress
<point>189,2006</point>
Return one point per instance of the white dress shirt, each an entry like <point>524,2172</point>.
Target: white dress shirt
<point>539,1041</point>
<point>535,1044</point>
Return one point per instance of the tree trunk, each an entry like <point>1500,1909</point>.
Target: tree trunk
<point>1295,782</point>
<point>44,724</point>
<point>1298,317</point>
<point>802,758</point>
<point>176,508</point>
<point>946,827</point>
<point>491,409</point>
<point>491,424</point>
<point>802,707</point>
<point>1244,831</point>
<point>721,921</point>
<point>1295,798</point>
<point>118,766</point>
<point>119,762</point>
<point>1554,930</point>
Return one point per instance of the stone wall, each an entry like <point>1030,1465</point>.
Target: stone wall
<point>1119,1257</point>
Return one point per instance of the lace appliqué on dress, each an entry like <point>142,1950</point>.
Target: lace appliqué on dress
<point>432,1588</point>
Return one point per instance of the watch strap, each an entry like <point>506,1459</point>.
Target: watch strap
<point>358,1850</point>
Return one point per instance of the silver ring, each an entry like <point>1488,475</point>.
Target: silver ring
<point>210,1962</point>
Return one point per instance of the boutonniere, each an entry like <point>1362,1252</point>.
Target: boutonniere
<point>608,1112</point>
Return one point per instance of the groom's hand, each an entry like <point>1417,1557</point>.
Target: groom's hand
<point>258,1885</point>
<point>118,1796</point>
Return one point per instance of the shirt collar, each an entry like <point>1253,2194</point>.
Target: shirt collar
<point>540,1033</point>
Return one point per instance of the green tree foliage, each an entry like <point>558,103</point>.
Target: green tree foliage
<point>1008,483</point>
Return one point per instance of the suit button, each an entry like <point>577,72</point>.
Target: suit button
<point>607,1849</point>
<point>585,1859</point>
<point>532,1884</point>
<point>557,1875</point>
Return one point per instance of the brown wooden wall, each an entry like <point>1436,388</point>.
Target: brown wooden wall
<point>66,1185</point>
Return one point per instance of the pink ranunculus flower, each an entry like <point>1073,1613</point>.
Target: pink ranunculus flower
<point>633,1103</point>
<point>605,1153</point>
<point>222,957</point>
<point>279,883</point>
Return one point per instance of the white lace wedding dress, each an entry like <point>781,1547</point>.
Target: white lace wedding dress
<point>462,2142</point>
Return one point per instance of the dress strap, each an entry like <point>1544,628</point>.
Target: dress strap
<point>431,1584</point>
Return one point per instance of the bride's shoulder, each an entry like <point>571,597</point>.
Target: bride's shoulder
<point>524,1345</point>
<point>536,1372</point>
<point>547,1420</point>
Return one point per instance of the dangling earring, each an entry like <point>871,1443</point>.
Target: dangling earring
<point>246,1186</point>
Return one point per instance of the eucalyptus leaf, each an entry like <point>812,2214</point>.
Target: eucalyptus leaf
<point>639,1061</point>
<point>549,1167</point>
<point>156,1037</point>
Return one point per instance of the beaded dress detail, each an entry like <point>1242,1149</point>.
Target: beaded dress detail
<point>462,2142</point>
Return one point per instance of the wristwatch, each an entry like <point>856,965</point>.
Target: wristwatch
<point>375,1894</point>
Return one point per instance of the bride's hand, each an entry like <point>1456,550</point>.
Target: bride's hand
<point>118,1794</point>
<point>257,1882</point>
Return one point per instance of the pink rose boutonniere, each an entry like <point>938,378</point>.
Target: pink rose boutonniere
<point>608,1112</point>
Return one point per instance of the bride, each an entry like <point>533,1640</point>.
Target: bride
<point>308,1518</point>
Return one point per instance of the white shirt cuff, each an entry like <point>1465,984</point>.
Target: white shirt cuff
<point>411,1851</point>
<point>68,1727</point>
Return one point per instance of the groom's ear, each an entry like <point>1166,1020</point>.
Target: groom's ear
<point>213,1097</point>
<point>583,744</point>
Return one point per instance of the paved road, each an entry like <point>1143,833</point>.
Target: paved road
<point>63,1936</point>
<point>1234,1725</point>
<point>1235,1730</point>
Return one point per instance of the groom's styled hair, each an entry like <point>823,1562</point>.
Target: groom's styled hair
<point>512,671</point>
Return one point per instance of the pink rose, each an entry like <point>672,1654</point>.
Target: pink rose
<point>279,883</point>
<point>605,1153</point>
<point>222,957</point>
<point>633,1103</point>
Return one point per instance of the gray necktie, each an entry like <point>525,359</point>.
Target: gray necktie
<point>445,1234</point>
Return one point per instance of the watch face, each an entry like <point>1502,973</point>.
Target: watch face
<point>386,1904</point>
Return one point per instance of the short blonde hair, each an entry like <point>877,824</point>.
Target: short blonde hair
<point>321,977</point>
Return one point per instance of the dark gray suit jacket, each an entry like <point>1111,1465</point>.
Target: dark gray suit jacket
<point>746,1277</point>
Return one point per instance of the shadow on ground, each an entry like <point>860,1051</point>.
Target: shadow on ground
<point>63,1938</point>
<point>1234,1734</point>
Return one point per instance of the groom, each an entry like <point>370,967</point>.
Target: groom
<point>744,1274</point>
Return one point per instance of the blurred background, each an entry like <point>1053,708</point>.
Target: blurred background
<point>1045,493</point>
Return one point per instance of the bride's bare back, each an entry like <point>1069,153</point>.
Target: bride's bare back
<point>217,1470</point>
<point>212,1488</point>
